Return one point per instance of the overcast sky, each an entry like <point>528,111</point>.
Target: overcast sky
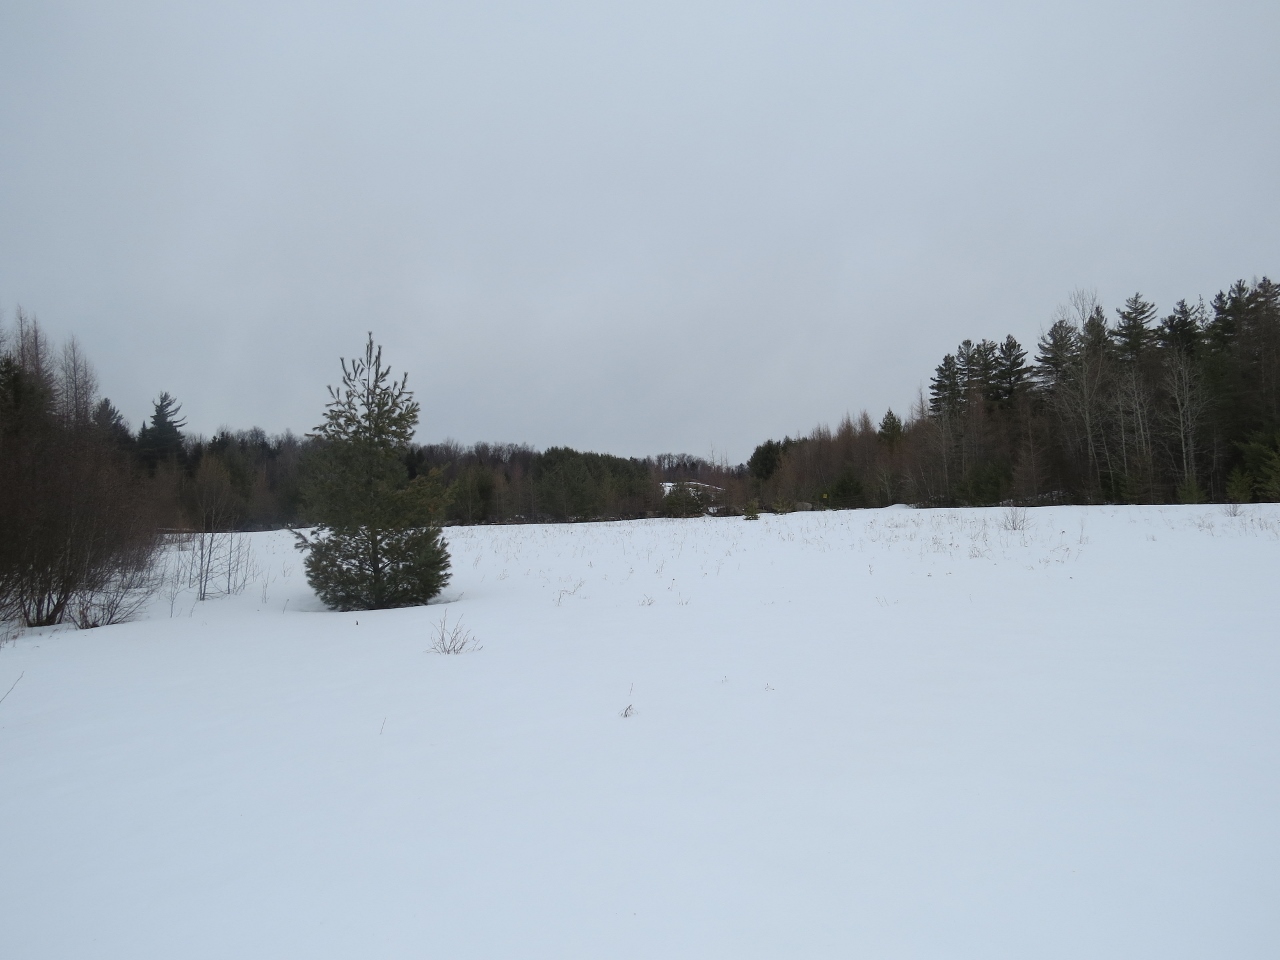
<point>637,228</point>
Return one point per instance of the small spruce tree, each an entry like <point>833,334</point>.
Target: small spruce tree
<point>1239,486</point>
<point>890,431</point>
<point>377,541</point>
<point>1269,487</point>
<point>1189,491</point>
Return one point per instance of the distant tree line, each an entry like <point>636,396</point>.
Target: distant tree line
<point>1134,407</point>
<point>250,480</point>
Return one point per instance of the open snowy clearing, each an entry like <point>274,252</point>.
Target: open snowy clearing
<point>888,733</point>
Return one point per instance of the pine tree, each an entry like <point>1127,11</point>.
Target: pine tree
<point>890,431</point>
<point>1133,335</point>
<point>1095,335</point>
<point>1229,310</point>
<point>111,424</point>
<point>946,389</point>
<point>1059,350</point>
<point>765,459</point>
<point>1011,369</point>
<point>1182,330</point>
<point>978,364</point>
<point>161,439</point>
<point>377,542</point>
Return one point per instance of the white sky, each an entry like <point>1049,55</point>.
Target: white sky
<point>625,227</point>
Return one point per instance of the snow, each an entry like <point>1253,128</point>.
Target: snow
<point>882,734</point>
<point>668,486</point>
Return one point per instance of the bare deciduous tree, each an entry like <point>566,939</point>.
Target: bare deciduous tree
<point>1185,411</point>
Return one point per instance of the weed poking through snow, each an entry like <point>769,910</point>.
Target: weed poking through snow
<point>1015,519</point>
<point>453,640</point>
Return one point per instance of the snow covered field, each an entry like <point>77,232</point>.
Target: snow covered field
<point>882,734</point>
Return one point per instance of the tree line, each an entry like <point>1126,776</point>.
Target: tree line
<point>1136,406</point>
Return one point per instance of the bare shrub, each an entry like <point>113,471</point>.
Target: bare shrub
<point>1015,519</point>
<point>177,570</point>
<point>452,640</point>
<point>123,593</point>
<point>78,532</point>
<point>222,564</point>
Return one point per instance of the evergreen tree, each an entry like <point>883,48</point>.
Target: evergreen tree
<point>890,431</point>
<point>1230,312</point>
<point>377,543</point>
<point>1011,370</point>
<point>1095,335</point>
<point>111,424</point>
<point>1181,331</point>
<point>1133,334</point>
<point>946,389</point>
<point>978,364</point>
<point>161,439</point>
<point>1239,486</point>
<point>1059,349</point>
<point>683,500</point>
<point>847,492</point>
<point>764,460</point>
